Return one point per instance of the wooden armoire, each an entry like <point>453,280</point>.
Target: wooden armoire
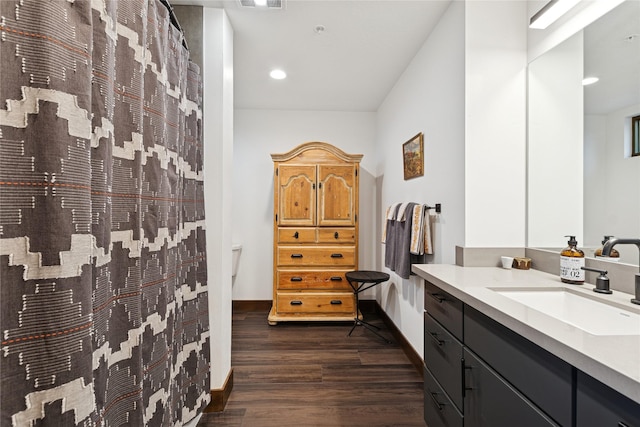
<point>315,233</point>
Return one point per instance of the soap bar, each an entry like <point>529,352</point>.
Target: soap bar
<point>522,263</point>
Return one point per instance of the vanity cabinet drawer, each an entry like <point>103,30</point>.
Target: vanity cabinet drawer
<point>337,235</point>
<point>316,256</point>
<point>443,356</point>
<point>314,279</point>
<point>490,401</point>
<point>445,308</point>
<point>544,378</point>
<point>296,235</point>
<point>598,405</point>
<point>439,411</point>
<point>339,302</point>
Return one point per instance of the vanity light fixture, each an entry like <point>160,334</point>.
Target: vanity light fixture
<point>589,81</point>
<point>550,13</point>
<point>277,74</point>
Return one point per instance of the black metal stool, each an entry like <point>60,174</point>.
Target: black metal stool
<point>360,281</point>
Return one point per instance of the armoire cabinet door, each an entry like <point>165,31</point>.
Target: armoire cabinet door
<point>336,195</point>
<point>297,195</point>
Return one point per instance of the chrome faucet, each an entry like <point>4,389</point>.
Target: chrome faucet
<point>606,251</point>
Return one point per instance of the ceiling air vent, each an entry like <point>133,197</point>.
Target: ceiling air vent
<point>270,4</point>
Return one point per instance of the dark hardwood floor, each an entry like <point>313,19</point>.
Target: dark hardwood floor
<point>312,374</point>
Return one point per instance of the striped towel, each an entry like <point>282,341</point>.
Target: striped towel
<point>421,242</point>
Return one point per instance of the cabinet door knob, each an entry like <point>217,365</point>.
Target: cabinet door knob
<point>336,255</point>
<point>336,235</point>
<point>295,235</point>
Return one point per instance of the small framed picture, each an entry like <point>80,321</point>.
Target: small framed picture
<point>413,157</point>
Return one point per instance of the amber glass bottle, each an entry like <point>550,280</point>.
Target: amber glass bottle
<point>571,261</point>
<point>614,256</point>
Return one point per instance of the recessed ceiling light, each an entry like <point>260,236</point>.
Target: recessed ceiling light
<point>589,81</point>
<point>278,74</point>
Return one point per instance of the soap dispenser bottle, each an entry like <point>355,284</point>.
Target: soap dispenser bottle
<point>614,256</point>
<point>571,263</point>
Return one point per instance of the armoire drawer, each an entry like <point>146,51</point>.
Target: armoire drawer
<point>296,235</point>
<point>316,256</point>
<point>338,302</point>
<point>313,279</point>
<point>337,235</point>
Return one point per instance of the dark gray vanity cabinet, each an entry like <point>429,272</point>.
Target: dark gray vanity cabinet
<point>465,355</point>
<point>597,405</point>
<point>491,401</point>
<point>544,378</point>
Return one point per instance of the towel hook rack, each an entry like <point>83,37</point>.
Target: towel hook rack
<point>437,207</point>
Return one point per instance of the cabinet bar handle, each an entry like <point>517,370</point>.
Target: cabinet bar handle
<point>336,255</point>
<point>336,279</point>
<point>435,338</point>
<point>296,279</point>
<point>336,302</point>
<point>437,297</point>
<point>435,400</point>
<point>295,235</point>
<point>296,302</point>
<point>296,255</point>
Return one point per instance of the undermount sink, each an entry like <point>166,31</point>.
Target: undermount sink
<point>592,316</point>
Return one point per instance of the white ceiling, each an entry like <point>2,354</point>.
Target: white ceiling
<point>351,66</point>
<point>612,53</point>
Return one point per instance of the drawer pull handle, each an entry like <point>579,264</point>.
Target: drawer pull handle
<point>438,297</point>
<point>336,279</point>
<point>435,400</point>
<point>336,235</point>
<point>296,279</point>
<point>296,255</point>
<point>464,366</point>
<point>336,255</point>
<point>295,235</point>
<point>296,302</point>
<point>436,339</point>
<point>336,302</point>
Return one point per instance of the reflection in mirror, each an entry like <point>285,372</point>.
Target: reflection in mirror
<point>582,178</point>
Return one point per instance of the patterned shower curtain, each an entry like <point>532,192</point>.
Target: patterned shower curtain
<point>103,296</point>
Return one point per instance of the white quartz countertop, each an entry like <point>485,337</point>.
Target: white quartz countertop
<point>612,359</point>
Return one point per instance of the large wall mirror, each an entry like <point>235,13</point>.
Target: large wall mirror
<point>582,179</point>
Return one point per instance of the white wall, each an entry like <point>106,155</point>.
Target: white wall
<point>218,153</point>
<point>495,122</point>
<point>258,134</point>
<point>428,98</point>
<point>612,199</point>
<point>555,145</point>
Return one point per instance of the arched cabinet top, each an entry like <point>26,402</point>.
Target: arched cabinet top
<point>318,152</point>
